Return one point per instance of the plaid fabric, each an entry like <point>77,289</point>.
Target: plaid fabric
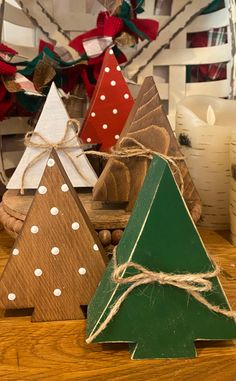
<point>19,82</point>
<point>212,72</point>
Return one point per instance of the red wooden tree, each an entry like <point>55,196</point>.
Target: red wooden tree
<point>109,107</point>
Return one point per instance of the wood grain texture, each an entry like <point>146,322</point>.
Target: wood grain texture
<point>57,350</point>
<point>147,123</point>
<point>57,260</point>
<point>14,207</point>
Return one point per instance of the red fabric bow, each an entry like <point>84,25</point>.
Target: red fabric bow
<point>6,49</point>
<point>112,26</point>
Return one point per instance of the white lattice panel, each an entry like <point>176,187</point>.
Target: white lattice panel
<point>172,85</point>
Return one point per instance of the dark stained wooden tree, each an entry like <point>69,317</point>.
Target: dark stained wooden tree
<point>147,123</point>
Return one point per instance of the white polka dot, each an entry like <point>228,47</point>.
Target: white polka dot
<point>11,296</point>
<point>42,189</point>
<point>75,226</point>
<point>102,97</point>
<point>57,292</point>
<point>34,229</point>
<point>82,271</point>
<point>38,272</point>
<point>107,69</point>
<point>51,162</point>
<point>118,68</point>
<point>111,52</point>
<point>104,126</point>
<point>15,252</point>
<point>55,251</point>
<point>115,111</point>
<point>89,140</point>
<point>93,114</point>
<point>64,188</point>
<point>54,211</point>
<point>113,83</point>
<point>95,247</point>
<point>126,96</point>
<point>117,137</point>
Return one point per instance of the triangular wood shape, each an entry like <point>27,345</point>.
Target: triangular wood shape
<point>109,107</point>
<point>52,125</point>
<point>122,179</point>
<point>57,260</point>
<point>160,320</point>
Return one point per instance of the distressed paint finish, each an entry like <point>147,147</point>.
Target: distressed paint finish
<point>160,321</point>
<point>109,107</point>
<point>52,125</point>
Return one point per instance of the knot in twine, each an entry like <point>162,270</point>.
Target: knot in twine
<point>64,144</point>
<point>193,284</point>
<point>139,150</point>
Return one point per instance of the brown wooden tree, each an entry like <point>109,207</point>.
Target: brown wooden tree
<point>147,123</point>
<point>57,260</point>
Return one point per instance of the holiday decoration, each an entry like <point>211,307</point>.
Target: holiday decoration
<point>52,130</point>
<point>147,127</point>
<point>117,27</point>
<point>19,82</point>
<point>204,127</point>
<point>160,293</point>
<point>57,261</point>
<point>112,24</point>
<point>6,68</point>
<point>109,107</point>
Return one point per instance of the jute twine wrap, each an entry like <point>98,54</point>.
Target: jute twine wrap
<point>64,144</point>
<point>193,284</point>
<point>139,150</point>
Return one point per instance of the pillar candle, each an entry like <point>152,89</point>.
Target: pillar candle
<point>204,128</point>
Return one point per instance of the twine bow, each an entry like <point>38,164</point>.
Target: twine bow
<point>139,150</point>
<point>193,284</point>
<point>64,144</point>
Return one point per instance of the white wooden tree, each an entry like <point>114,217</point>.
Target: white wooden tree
<point>52,126</point>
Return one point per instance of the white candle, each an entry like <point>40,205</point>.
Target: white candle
<point>204,124</point>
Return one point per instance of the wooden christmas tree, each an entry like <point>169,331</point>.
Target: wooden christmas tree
<point>158,319</point>
<point>57,260</point>
<point>53,129</point>
<point>147,123</point>
<point>109,107</point>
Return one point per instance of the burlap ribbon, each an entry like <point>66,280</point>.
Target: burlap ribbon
<point>193,284</point>
<point>139,150</point>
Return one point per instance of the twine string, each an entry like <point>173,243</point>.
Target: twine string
<point>64,144</point>
<point>193,284</point>
<point>139,150</point>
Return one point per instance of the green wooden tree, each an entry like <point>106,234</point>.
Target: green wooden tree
<point>160,321</point>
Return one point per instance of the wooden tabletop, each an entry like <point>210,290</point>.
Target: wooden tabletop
<point>57,350</point>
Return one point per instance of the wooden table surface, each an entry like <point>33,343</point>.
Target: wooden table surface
<point>57,350</point>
